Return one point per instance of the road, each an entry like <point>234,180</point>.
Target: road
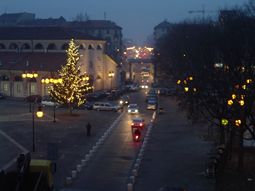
<point>175,156</point>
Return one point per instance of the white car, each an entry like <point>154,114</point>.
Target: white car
<point>132,87</point>
<point>49,102</point>
<point>133,108</point>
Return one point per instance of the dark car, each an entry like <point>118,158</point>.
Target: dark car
<point>113,95</point>
<point>93,96</point>
<point>150,96</point>
<point>86,105</point>
<point>162,91</point>
<point>2,96</point>
<point>124,100</point>
<point>33,98</point>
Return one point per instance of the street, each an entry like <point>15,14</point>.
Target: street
<point>175,149</point>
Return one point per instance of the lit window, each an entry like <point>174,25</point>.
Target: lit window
<point>47,90</point>
<point>18,88</point>
<point>5,87</point>
<point>32,89</point>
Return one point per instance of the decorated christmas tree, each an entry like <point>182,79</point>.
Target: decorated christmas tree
<point>71,87</point>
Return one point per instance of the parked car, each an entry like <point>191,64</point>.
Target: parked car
<point>151,105</point>
<point>138,122</point>
<point>86,106</point>
<point>49,102</point>
<point>153,99</point>
<point>132,87</point>
<point>2,96</point>
<point>33,98</point>
<point>161,91</point>
<point>133,108</point>
<point>93,96</point>
<point>105,106</point>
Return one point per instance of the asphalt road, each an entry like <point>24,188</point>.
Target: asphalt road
<point>174,156</point>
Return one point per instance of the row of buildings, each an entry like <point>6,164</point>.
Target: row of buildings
<point>39,46</point>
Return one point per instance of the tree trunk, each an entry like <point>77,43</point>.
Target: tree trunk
<point>222,135</point>
<point>241,152</point>
<point>71,110</point>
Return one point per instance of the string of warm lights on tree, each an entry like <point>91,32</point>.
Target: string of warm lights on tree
<point>73,85</point>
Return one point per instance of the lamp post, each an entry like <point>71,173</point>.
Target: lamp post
<point>29,75</point>
<point>52,81</point>
<point>39,114</point>
<point>111,75</point>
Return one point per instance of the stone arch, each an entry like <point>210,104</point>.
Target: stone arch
<point>5,78</point>
<point>52,46</point>
<point>65,46</point>
<point>25,46</point>
<point>2,46</point>
<point>91,47</point>
<point>99,47</point>
<point>18,79</point>
<point>13,46</point>
<point>39,46</point>
<point>82,46</point>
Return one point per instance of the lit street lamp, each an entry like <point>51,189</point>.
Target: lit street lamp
<point>52,81</point>
<point>111,75</point>
<point>29,75</point>
<point>39,114</point>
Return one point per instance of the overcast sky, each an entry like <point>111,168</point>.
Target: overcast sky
<point>136,17</point>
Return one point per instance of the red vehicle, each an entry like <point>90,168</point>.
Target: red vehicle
<point>33,98</point>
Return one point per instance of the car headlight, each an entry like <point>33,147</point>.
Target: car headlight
<point>136,110</point>
<point>129,110</point>
<point>146,86</point>
<point>142,86</point>
<point>121,101</point>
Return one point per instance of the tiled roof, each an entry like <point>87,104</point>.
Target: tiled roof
<point>163,24</point>
<point>42,22</point>
<point>42,33</point>
<point>11,16</point>
<point>92,24</point>
<point>36,61</point>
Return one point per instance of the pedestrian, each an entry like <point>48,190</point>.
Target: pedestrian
<point>88,129</point>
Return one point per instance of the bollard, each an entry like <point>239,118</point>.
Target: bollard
<point>95,149</point>
<point>142,151</point>
<point>68,181</point>
<point>134,172</point>
<point>91,153</point>
<point>129,187</point>
<point>145,143</point>
<point>140,156</point>
<point>97,144</point>
<point>83,162</point>
<point>138,161</point>
<point>132,179</point>
<point>74,174</point>
<point>100,141</point>
<point>143,147</point>
<point>146,139</point>
<point>78,168</point>
<point>87,158</point>
<point>137,167</point>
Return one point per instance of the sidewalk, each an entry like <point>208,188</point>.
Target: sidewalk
<point>175,155</point>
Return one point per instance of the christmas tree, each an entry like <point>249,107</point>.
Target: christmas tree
<point>71,87</point>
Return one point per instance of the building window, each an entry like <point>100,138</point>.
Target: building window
<point>91,47</point>
<point>25,46</point>
<point>32,89</point>
<point>13,46</point>
<point>65,47</point>
<point>46,90</point>
<point>39,46</point>
<point>2,46</point>
<point>5,87</point>
<point>52,46</point>
<point>107,31</point>
<point>18,88</point>
<point>115,39</point>
<point>99,47</point>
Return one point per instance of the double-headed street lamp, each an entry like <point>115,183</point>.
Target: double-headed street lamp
<point>29,75</point>
<point>39,114</point>
<point>52,81</point>
<point>111,75</point>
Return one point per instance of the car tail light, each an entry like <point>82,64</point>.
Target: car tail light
<point>141,124</point>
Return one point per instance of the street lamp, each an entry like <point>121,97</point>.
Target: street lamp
<point>52,81</point>
<point>111,75</point>
<point>39,114</point>
<point>29,75</point>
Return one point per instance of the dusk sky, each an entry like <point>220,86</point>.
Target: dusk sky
<point>136,17</point>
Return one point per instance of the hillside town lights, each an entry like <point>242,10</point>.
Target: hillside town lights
<point>111,75</point>
<point>29,75</point>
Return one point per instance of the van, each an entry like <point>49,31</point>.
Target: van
<point>105,106</point>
